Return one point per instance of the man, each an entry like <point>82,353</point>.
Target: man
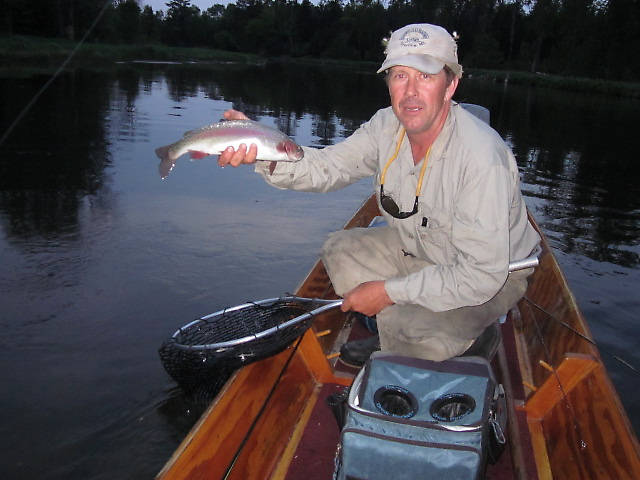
<point>437,275</point>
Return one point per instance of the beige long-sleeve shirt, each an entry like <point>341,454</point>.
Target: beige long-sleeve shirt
<point>471,219</point>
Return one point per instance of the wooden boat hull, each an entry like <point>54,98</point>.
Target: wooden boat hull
<point>566,420</point>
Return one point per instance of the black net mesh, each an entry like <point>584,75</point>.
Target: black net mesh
<point>194,367</point>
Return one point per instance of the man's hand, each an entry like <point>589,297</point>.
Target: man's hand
<point>368,298</point>
<point>232,114</point>
<point>241,156</point>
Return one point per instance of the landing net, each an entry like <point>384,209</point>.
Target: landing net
<point>214,346</point>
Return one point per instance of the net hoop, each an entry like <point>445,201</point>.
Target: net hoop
<point>325,305</point>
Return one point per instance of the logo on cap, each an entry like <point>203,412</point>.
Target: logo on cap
<point>414,37</point>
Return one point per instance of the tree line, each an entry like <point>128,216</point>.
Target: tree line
<point>589,38</point>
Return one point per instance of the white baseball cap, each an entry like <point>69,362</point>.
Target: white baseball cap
<point>422,46</point>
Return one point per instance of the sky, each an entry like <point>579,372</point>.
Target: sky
<point>201,4</point>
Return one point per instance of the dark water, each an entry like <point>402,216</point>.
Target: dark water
<point>101,260</point>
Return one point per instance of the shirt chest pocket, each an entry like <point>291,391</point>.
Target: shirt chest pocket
<point>434,237</point>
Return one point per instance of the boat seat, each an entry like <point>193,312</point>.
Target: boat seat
<point>486,345</point>
<point>355,352</point>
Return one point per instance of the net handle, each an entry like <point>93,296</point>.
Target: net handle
<point>325,305</point>
<point>531,261</point>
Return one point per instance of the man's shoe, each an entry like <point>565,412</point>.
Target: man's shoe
<point>370,323</point>
<point>356,352</point>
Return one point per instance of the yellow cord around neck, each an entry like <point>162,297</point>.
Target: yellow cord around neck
<point>395,155</point>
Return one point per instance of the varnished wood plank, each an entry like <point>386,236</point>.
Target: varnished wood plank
<point>513,429</point>
<point>539,449</point>
<point>573,369</point>
<point>365,214</point>
<point>318,363</point>
<point>587,434</point>
<point>284,462</point>
<point>593,435</point>
<point>523,352</point>
<point>210,446</point>
<point>582,437</point>
<point>547,339</point>
<point>315,358</point>
<point>275,426</point>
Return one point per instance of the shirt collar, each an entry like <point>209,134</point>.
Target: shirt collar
<point>439,145</point>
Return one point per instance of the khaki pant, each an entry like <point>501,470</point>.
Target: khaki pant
<point>359,255</point>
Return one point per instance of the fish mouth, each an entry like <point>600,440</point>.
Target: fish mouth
<point>293,151</point>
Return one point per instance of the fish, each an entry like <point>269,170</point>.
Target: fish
<point>215,138</point>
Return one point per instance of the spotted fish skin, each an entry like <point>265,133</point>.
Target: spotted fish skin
<point>215,138</point>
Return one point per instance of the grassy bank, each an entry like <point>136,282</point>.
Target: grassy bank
<point>49,53</point>
<point>21,51</point>
<point>574,84</point>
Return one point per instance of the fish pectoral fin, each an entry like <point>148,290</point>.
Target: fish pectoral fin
<point>197,154</point>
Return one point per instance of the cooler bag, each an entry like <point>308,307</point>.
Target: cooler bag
<point>408,418</point>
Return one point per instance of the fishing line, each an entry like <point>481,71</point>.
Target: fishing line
<point>266,401</point>
<point>261,411</point>
<point>583,336</point>
<point>57,73</point>
<point>582,444</point>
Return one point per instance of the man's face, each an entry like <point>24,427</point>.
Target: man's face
<point>419,100</point>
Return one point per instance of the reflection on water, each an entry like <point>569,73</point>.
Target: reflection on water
<point>573,149</point>
<point>102,261</point>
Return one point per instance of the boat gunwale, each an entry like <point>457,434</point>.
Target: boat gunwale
<point>311,351</point>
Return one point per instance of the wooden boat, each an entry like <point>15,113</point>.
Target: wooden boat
<point>566,421</point>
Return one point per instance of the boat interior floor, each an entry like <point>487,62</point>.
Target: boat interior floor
<point>314,455</point>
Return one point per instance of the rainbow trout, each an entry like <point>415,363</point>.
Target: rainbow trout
<point>213,139</point>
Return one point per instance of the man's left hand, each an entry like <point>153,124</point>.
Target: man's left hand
<point>368,298</point>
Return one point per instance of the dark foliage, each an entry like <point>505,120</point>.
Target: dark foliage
<point>590,38</point>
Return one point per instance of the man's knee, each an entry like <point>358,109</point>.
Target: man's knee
<point>334,250</point>
<point>434,348</point>
<point>347,247</point>
<point>333,243</point>
<point>358,255</point>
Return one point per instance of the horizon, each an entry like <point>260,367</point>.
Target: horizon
<point>203,5</point>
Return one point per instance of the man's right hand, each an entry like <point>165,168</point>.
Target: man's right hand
<point>368,298</point>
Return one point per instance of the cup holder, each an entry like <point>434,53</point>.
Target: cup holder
<point>395,401</point>
<point>452,407</point>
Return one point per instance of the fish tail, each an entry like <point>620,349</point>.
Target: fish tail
<point>164,154</point>
<point>167,161</point>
